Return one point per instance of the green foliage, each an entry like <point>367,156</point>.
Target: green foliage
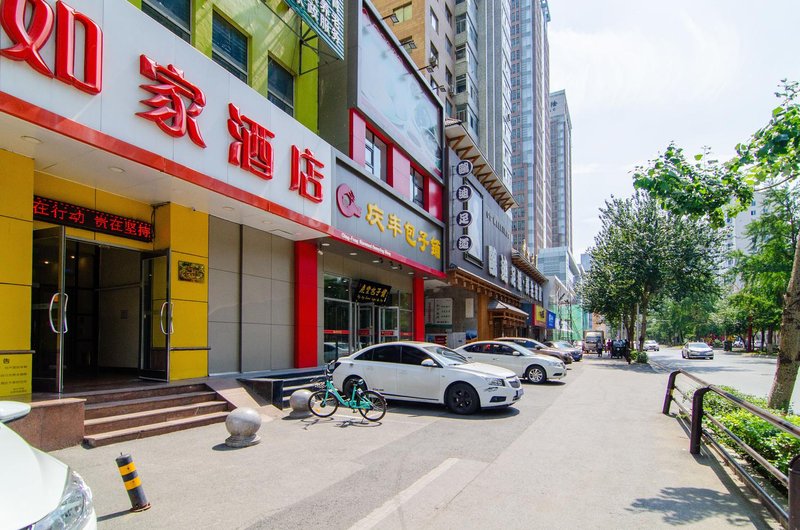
<point>770,442</point>
<point>640,357</point>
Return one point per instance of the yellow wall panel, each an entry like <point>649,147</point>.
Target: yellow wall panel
<point>108,202</point>
<point>15,317</point>
<point>190,324</point>
<point>189,230</point>
<point>17,243</point>
<point>188,290</point>
<point>63,190</point>
<point>188,364</point>
<point>16,181</point>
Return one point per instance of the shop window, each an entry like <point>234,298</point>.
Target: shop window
<point>280,87</point>
<point>229,47</point>
<point>175,15</point>
<point>403,13</point>
<point>417,188</point>
<point>375,155</point>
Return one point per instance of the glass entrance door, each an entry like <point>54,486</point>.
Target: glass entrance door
<point>389,324</point>
<point>48,309</point>
<point>157,326</point>
<point>365,335</point>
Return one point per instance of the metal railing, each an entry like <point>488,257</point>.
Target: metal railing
<point>788,516</point>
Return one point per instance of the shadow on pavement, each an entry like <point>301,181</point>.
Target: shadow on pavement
<point>438,410</point>
<point>681,506</point>
<point>101,518</point>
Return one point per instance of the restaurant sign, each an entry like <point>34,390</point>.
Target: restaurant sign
<point>372,292</point>
<point>63,213</point>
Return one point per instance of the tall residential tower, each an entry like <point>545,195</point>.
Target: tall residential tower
<point>560,222</point>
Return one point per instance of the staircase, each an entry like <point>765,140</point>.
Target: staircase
<point>278,387</point>
<point>132,413</point>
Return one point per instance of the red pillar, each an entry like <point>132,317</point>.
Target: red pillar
<point>419,309</point>
<point>305,304</point>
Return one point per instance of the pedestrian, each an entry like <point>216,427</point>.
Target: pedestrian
<point>626,351</point>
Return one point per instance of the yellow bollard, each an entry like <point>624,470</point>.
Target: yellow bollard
<point>127,469</point>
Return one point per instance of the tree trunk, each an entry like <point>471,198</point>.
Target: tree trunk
<point>643,331</point>
<point>780,395</point>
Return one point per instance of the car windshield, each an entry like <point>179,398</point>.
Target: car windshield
<point>698,345</point>
<point>560,344</point>
<point>446,356</point>
<point>649,342</point>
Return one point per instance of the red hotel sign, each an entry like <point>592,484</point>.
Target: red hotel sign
<point>62,213</point>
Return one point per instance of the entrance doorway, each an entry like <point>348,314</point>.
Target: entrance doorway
<point>100,314</point>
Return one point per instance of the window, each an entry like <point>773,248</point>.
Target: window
<point>406,44</point>
<point>448,77</point>
<point>417,188</point>
<point>448,16</point>
<point>386,354</point>
<point>434,22</point>
<point>229,47</point>
<point>280,87</point>
<point>434,59</point>
<point>461,52</point>
<point>172,14</point>
<point>461,23</point>
<point>375,155</point>
<point>414,356</point>
<point>403,13</point>
<point>461,83</point>
<point>448,46</point>
<point>449,108</point>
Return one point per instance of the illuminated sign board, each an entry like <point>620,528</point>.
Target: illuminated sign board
<point>63,213</point>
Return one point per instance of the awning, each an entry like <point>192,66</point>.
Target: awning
<point>462,278</point>
<point>465,147</point>
<point>522,263</point>
<point>510,315</point>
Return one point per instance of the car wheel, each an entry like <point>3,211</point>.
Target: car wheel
<point>536,374</point>
<point>347,386</point>
<point>461,398</point>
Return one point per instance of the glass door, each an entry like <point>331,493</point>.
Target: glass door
<point>365,335</point>
<point>48,309</point>
<point>389,324</point>
<point>157,326</point>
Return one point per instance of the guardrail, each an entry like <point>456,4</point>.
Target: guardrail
<point>788,516</point>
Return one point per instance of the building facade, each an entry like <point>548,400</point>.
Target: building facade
<point>530,122</point>
<point>560,224</point>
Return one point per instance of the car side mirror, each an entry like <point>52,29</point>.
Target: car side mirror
<point>515,353</point>
<point>429,363</point>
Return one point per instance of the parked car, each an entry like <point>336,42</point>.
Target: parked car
<point>738,343</point>
<point>566,347</point>
<point>619,347</point>
<point>422,371</point>
<point>36,489</point>
<point>538,348</point>
<point>519,359</point>
<point>650,345</point>
<point>697,350</point>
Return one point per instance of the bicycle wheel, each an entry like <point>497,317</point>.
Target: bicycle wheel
<point>376,404</point>
<point>322,404</point>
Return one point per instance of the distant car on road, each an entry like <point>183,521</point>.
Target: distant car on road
<point>422,371</point>
<point>519,359</point>
<point>738,343</point>
<point>697,350</point>
<point>566,347</point>
<point>537,347</point>
<point>650,345</point>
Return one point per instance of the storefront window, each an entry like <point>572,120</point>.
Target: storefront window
<point>336,318</point>
<point>337,287</point>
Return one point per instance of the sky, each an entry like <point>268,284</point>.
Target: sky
<point>641,73</point>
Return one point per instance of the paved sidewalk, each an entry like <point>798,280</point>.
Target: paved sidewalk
<point>594,452</point>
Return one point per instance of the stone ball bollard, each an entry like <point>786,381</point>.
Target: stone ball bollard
<point>299,403</point>
<point>243,424</point>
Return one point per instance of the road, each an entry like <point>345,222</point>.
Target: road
<point>592,452</point>
<point>748,374</point>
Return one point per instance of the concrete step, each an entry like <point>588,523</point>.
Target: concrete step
<point>116,408</point>
<point>146,417</point>
<point>124,394</point>
<point>144,431</point>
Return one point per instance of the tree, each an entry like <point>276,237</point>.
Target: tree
<point>706,189</point>
<point>643,252</point>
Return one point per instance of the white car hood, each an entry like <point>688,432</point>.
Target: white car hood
<point>485,370</point>
<point>31,482</point>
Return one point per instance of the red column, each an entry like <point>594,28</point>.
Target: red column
<point>419,309</point>
<point>305,304</point>
<point>358,136</point>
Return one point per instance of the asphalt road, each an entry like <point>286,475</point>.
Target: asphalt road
<point>749,374</point>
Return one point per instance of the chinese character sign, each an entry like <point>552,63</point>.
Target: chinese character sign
<point>251,148</point>
<point>62,213</point>
<point>326,18</point>
<point>306,175</point>
<point>170,94</point>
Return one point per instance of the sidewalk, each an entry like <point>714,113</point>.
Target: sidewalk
<point>595,452</point>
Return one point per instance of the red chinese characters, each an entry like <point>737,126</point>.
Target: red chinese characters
<point>168,109</point>
<point>251,149</point>
<point>63,213</point>
<point>306,177</point>
<point>29,38</point>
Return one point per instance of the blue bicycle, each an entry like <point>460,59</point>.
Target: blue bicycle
<point>323,403</point>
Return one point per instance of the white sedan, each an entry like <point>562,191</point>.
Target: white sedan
<point>697,350</point>
<point>521,360</point>
<point>37,490</point>
<point>422,371</point>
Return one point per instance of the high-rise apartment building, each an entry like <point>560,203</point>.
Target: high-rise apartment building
<point>530,122</point>
<point>560,222</point>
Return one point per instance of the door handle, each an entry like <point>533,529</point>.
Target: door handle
<point>161,318</point>
<point>50,312</point>
<point>171,325</point>
<point>66,301</point>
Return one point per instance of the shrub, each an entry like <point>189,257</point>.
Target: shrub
<point>717,344</point>
<point>641,357</point>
